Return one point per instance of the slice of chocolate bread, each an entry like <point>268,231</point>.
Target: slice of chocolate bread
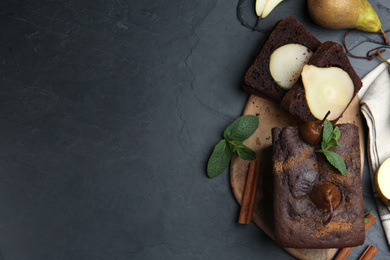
<point>258,79</point>
<point>329,54</point>
<point>298,171</point>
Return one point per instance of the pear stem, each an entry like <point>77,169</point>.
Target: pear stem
<point>257,23</point>
<point>325,117</point>
<point>383,58</point>
<point>330,215</point>
<point>385,36</point>
<point>371,53</point>
<point>329,199</point>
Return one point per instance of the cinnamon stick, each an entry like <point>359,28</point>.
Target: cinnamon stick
<point>371,219</point>
<point>344,252</point>
<point>249,196</point>
<point>369,253</point>
<point>254,192</point>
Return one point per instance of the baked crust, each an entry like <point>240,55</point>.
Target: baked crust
<point>297,168</point>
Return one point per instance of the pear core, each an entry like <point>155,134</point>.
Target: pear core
<point>286,63</point>
<point>383,181</point>
<point>327,89</point>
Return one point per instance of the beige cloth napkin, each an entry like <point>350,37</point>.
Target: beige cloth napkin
<point>375,106</point>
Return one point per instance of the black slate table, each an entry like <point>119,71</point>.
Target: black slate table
<point>109,111</point>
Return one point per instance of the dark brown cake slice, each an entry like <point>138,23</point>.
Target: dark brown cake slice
<point>329,54</point>
<point>297,169</point>
<point>258,79</point>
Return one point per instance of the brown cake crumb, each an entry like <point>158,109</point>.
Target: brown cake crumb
<point>258,79</point>
<point>329,54</point>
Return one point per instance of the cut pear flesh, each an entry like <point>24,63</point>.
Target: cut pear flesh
<point>286,63</point>
<point>269,6</point>
<point>383,181</point>
<point>264,7</point>
<point>327,89</point>
<point>260,7</point>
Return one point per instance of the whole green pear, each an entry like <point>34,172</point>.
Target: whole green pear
<point>343,14</point>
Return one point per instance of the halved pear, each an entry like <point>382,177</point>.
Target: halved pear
<point>259,6</point>
<point>327,89</point>
<point>383,181</point>
<point>286,63</point>
<point>269,6</point>
<point>264,7</point>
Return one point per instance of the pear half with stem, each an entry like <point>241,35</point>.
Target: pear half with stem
<point>327,89</point>
<point>264,7</point>
<point>269,6</point>
<point>344,14</point>
<point>259,7</point>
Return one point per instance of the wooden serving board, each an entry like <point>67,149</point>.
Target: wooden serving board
<point>271,115</point>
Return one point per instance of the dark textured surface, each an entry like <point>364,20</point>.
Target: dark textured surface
<point>109,111</point>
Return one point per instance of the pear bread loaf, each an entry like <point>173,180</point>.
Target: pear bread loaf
<point>258,79</point>
<point>329,54</point>
<point>300,176</point>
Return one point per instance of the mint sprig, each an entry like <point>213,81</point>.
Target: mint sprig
<point>330,136</point>
<point>242,128</point>
<point>234,135</point>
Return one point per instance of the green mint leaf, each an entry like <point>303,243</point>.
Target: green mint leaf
<point>366,221</point>
<point>336,161</point>
<point>242,128</point>
<point>244,152</point>
<point>327,131</point>
<point>219,159</point>
<point>233,145</point>
<point>329,139</point>
<point>324,145</point>
<point>336,133</point>
<point>333,143</point>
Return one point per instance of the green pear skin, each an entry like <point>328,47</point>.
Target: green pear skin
<point>344,14</point>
